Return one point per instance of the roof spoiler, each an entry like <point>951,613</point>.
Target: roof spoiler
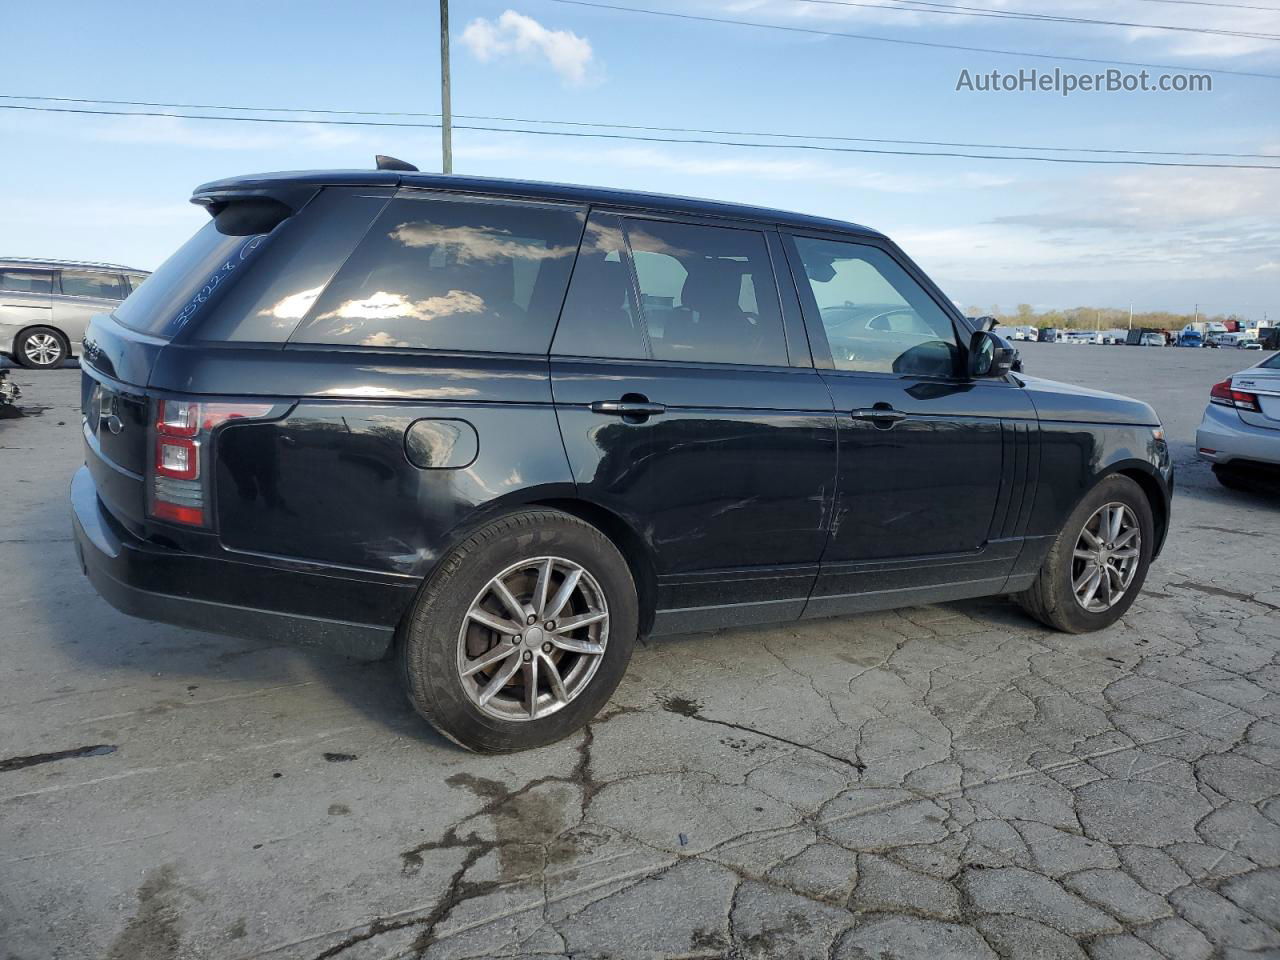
<point>243,213</point>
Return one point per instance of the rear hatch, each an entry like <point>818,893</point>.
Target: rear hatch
<point>236,282</point>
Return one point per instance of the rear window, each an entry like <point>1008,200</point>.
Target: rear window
<point>452,274</point>
<point>208,284</point>
<point>1272,362</point>
<point>176,292</point>
<point>269,301</point>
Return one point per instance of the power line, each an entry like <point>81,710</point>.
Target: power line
<point>642,139</point>
<point>1211,3</point>
<point>810,31</point>
<point>657,129</point>
<point>958,10</point>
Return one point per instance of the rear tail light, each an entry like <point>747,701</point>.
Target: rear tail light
<point>179,474</point>
<point>1223,395</point>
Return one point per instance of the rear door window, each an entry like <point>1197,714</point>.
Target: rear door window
<point>26,281</point>
<point>600,318</point>
<point>93,284</point>
<point>450,273</point>
<point>708,293</point>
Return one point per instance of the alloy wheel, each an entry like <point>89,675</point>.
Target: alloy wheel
<point>1106,558</point>
<point>43,349</point>
<point>532,639</point>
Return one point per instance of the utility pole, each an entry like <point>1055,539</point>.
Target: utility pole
<point>1131,316</point>
<point>446,112</point>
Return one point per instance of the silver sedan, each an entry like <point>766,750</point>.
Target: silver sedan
<point>1240,432</point>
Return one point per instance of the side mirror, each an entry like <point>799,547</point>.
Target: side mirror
<point>990,356</point>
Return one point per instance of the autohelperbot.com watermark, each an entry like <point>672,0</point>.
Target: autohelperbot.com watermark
<point>1065,83</point>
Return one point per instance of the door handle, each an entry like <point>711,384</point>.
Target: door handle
<point>881,416</point>
<point>629,408</point>
<point>632,407</point>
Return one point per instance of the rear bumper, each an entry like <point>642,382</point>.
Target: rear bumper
<point>1230,438</point>
<point>342,611</point>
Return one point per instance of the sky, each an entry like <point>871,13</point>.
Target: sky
<point>990,232</point>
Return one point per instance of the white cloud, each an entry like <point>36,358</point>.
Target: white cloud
<point>1146,236</point>
<point>568,54</point>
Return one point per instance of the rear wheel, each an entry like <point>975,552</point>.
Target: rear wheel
<point>1098,563</point>
<point>1248,477</point>
<point>40,348</point>
<point>1231,478</point>
<point>522,634</point>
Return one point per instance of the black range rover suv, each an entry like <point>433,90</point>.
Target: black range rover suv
<point>504,428</point>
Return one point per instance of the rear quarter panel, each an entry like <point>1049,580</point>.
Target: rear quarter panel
<point>333,482</point>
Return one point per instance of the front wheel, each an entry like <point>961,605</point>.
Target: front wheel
<point>40,348</point>
<point>522,634</point>
<point>1096,567</point>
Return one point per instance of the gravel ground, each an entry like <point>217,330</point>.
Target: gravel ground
<point>946,781</point>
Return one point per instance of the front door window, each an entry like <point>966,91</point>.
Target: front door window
<point>876,317</point>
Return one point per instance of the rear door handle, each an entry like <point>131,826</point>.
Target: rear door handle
<point>879,415</point>
<point>628,408</point>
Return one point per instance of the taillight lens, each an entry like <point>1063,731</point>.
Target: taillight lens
<point>178,418</point>
<point>179,482</point>
<point>1223,395</point>
<point>177,457</point>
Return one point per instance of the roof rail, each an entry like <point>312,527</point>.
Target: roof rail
<point>70,263</point>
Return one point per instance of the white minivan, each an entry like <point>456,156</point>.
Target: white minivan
<point>45,305</point>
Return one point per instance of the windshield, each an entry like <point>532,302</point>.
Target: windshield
<point>185,282</point>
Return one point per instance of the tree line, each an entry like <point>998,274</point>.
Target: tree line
<point>1096,318</point>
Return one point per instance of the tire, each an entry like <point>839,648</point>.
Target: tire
<point>41,348</point>
<point>1231,479</point>
<point>1249,478</point>
<point>1052,598</point>
<point>442,638</point>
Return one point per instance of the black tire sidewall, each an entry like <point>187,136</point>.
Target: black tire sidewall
<point>429,645</point>
<point>1114,489</point>
<point>20,351</point>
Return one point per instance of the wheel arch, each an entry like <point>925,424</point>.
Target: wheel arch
<point>563,497</point>
<point>629,543</point>
<point>1152,487</point>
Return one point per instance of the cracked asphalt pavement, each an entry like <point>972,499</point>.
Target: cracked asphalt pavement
<point>944,782</point>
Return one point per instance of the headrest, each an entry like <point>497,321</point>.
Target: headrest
<point>713,286</point>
